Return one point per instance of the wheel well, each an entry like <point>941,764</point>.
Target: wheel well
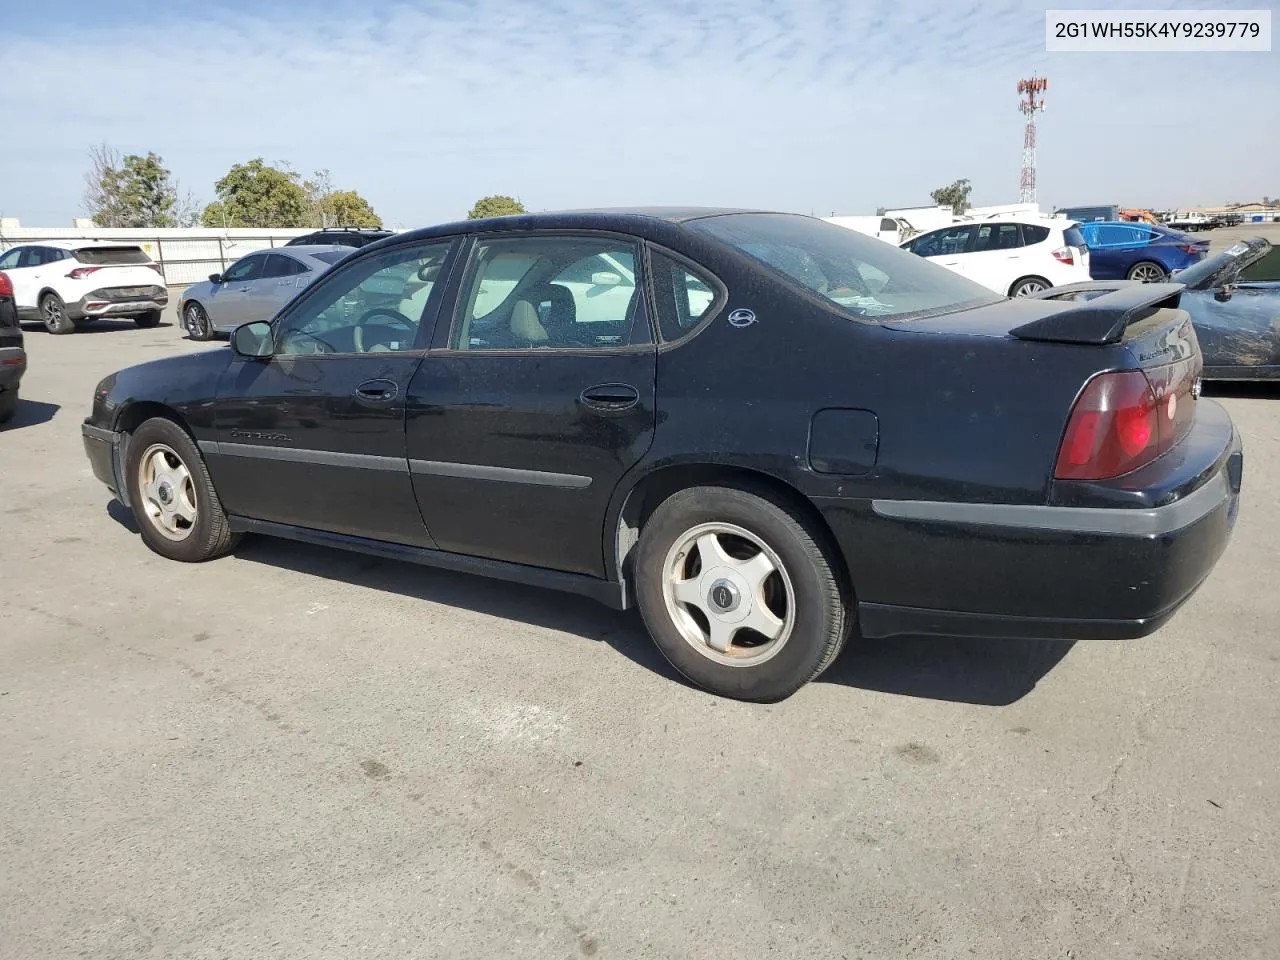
<point>45,292</point>
<point>1149,262</point>
<point>652,490</point>
<point>140,411</point>
<point>1030,276</point>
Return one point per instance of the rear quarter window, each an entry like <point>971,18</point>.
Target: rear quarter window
<point>1033,233</point>
<point>109,256</point>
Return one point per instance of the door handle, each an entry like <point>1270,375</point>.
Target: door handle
<point>610,397</point>
<point>376,393</point>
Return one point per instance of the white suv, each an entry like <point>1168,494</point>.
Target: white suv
<point>67,283</point>
<point>1012,256</point>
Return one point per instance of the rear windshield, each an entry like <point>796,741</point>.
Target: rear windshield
<point>860,275</point>
<point>1073,237</point>
<point>331,256</point>
<point>112,255</point>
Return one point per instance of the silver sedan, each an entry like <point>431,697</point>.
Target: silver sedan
<point>253,288</point>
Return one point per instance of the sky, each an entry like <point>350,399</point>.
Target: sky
<point>813,106</point>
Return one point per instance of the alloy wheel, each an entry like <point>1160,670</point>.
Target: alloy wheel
<point>1027,287</point>
<point>1146,273</point>
<point>168,494</point>
<point>729,594</point>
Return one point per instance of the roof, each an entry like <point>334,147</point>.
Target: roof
<point>81,244</point>
<point>308,248</point>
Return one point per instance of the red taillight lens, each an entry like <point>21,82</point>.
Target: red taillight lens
<point>1065,255</point>
<point>1112,427</point>
<point>6,285</point>
<point>1124,420</point>
<point>156,267</point>
<point>79,273</point>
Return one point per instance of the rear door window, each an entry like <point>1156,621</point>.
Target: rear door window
<point>997,236</point>
<point>278,265</point>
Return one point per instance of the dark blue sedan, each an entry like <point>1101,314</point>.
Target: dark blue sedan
<point>1138,251</point>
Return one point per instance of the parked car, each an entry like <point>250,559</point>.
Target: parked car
<point>1138,251</point>
<point>252,288</point>
<point>882,228</point>
<point>1233,300</point>
<point>1013,257</point>
<point>65,284</point>
<point>13,359</point>
<point>341,236</point>
<point>844,433</point>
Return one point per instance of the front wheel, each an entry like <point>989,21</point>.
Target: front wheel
<point>149,319</point>
<point>1027,286</point>
<point>738,593</point>
<point>197,322</point>
<point>53,313</point>
<point>1147,272</point>
<point>176,507</point>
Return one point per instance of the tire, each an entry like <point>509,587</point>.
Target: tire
<point>1025,286</point>
<point>803,594</point>
<point>53,313</point>
<point>199,529</point>
<point>8,404</point>
<point>149,319</point>
<point>1147,271</point>
<point>196,322</point>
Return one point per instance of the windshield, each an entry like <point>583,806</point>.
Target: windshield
<point>1213,271</point>
<point>862,276</point>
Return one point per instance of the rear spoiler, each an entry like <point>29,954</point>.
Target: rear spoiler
<point>1101,312</point>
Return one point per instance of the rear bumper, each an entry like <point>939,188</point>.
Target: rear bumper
<point>101,446</point>
<point>1007,570</point>
<point>87,307</point>
<point>13,364</point>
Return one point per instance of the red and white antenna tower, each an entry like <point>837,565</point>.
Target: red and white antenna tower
<point>1030,102</point>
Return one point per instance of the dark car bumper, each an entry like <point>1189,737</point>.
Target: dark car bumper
<point>101,447</point>
<point>1068,572</point>
<point>13,364</point>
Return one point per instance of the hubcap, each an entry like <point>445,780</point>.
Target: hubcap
<point>728,594</point>
<point>168,494</point>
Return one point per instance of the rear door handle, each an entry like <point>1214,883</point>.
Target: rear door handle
<point>610,397</point>
<point>376,393</point>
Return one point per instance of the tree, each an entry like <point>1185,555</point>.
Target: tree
<point>495,206</point>
<point>133,191</point>
<point>956,195</point>
<point>329,207</point>
<point>254,194</point>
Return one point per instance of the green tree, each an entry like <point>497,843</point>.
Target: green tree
<point>130,191</point>
<point>255,194</point>
<point>956,195</point>
<point>495,206</point>
<point>330,207</point>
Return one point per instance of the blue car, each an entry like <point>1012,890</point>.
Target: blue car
<point>1138,251</point>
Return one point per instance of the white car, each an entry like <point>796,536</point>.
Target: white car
<point>1013,256</point>
<point>882,228</point>
<point>65,284</point>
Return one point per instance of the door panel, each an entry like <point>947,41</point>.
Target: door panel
<point>230,303</point>
<point>297,445</point>
<point>511,462</point>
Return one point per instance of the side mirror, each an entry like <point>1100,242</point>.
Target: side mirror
<point>606,278</point>
<point>252,340</point>
<point>1223,293</point>
<point>215,278</point>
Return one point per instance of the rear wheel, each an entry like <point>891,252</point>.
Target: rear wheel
<point>177,509</point>
<point>8,404</point>
<point>196,322</point>
<point>149,319</point>
<point>738,593</point>
<point>53,313</point>
<point>1147,272</point>
<point>1026,286</point>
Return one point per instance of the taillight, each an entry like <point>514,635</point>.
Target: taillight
<point>1192,248</point>
<point>1126,419</point>
<point>1065,255</point>
<point>6,285</point>
<point>79,273</point>
<point>156,267</point>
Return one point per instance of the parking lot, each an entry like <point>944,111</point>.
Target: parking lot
<point>298,752</point>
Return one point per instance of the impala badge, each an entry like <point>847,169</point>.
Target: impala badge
<point>742,317</point>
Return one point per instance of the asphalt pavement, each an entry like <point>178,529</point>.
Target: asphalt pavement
<point>295,752</point>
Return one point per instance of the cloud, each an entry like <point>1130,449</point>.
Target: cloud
<point>808,104</point>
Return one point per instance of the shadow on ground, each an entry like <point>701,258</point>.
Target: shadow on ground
<point>987,672</point>
<point>96,326</point>
<point>31,413</point>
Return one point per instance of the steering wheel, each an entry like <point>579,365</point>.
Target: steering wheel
<point>396,317</point>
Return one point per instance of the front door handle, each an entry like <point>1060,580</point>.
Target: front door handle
<point>611,397</point>
<point>376,393</point>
